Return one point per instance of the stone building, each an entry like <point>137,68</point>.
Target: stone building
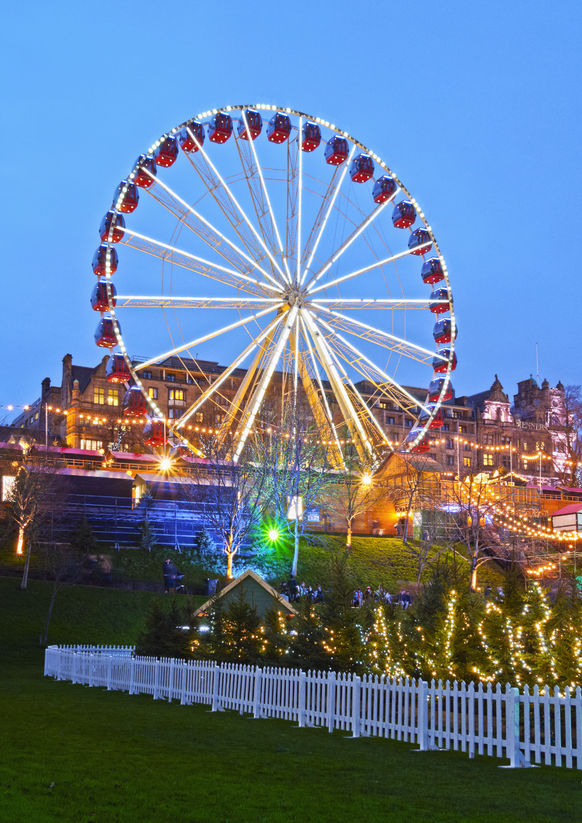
<point>480,432</point>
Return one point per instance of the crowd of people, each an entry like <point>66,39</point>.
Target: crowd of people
<point>294,591</point>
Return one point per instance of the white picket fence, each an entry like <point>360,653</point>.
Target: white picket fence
<point>526,727</point>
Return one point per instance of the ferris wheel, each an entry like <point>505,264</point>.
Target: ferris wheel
<point>275,243</point>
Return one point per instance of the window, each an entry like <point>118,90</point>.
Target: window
<point>450,460</point>
<point>199,417</point>
<point>449,443</point>
<point>99,396</point>
<point>173,413</point>
<point>467,447</point>
<point>176,396</point>
<point>408,423</point>
<point>487,459</point>
<point>467,462</point>
<point>91,444</point>
<point>147,375</point>
<point>389,420</point>
<point>153,392</point>
<point>540,445</point>
<point>219,418</point>
<point>462,429</point>
<point>112,397</point>
<point>445,427</point>
<point>171,378</point>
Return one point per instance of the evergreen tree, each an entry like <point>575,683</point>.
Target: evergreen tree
<point>162,635</point>
<point>82,539</point>
<point>243,639</point>
<point>383,653</point>
<point>204,544</point>
<point>276,638</point>
<point>565,635</point>
<point>344,635</point>
<point>147,535</point>
<point>306,648</point>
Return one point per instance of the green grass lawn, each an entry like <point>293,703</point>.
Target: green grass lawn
<point>373,560</point>
<point>72,753</point>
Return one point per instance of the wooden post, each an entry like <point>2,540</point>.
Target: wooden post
<point>330,700</point>
<point>257,693</point>
<point>356,701</point>
<point>516,759</point>
<point>156,678</point>
<point>184,681</point>
<point>215,684</point>
<point>132,676</point>
<point>302,696</point>
<point>109,664</point>
<point>422,722</point>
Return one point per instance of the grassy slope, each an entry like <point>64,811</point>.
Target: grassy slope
<point>71,753</point>
<point>373,560</point>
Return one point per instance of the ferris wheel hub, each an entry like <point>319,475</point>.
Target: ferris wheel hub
<point>295,296</point>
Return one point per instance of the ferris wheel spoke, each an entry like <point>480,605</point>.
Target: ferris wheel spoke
<point>366,409</point>
<point>232,206</point>
<point>299,204</point>
<point>148,245</point>
<point>318,402</point>
<point>249,415</point>
<point>267,200</point>
<point>326,215</point>
<point>346,244</point>
<point>171,302</point>
<point>360,359</point>
<point>366,269</point>
<point>378,336</point>
<point>213,388</point>
<point>192,343</point>
<point>215,233</point>
<point>350,416</point>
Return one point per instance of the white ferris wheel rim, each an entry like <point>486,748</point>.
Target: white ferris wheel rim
<point>303,117</point>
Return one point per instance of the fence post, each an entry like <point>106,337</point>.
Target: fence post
<point>132,675</point>
<point>59,668</point>
<point>422,716</point>
<point>516,759</point>
<point>257,694</point>
<point>109,664</point>
<point>215,684</point>
<point>184,680</point>
<point>330,700</point>
<point>302,691</point>
<point>171,684</point>
<point>356,701</point>
<point>157,678</point>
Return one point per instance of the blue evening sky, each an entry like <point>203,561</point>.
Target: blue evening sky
<point>475,105</point>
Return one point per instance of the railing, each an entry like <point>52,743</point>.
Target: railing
<point>491,720</point>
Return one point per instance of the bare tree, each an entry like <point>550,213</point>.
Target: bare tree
<point>36,494</point>
<point>231,494</point>
<point>353,490</point>
<point>297,465</point>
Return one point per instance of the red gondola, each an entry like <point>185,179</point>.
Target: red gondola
<point>134,403</point>
<point>154,433</point>
<point>442,330</point>
<point>361,168</point>
<point>435,388</point>
<point>439,301</point>
<point>384,189</point>
<point>336,151</point>
<point>432,271</point>
<point>403,215</point>
<point>279,128</point>
<point>166,153</point>
<point>220,128</point>
<point>145,163</point>
<point>418,240</point>
<point>111,228</point>
<point>311,136</point>
<point>105,257</point>
<point>254,123</point>
<point>104,334</point>
<point>191,137</point>
<point>436,422</point>
<point>116,370</point>
<point>99,301</point>
<point>439,365</point>
<point>422,445</point>
<point>126,197</point>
